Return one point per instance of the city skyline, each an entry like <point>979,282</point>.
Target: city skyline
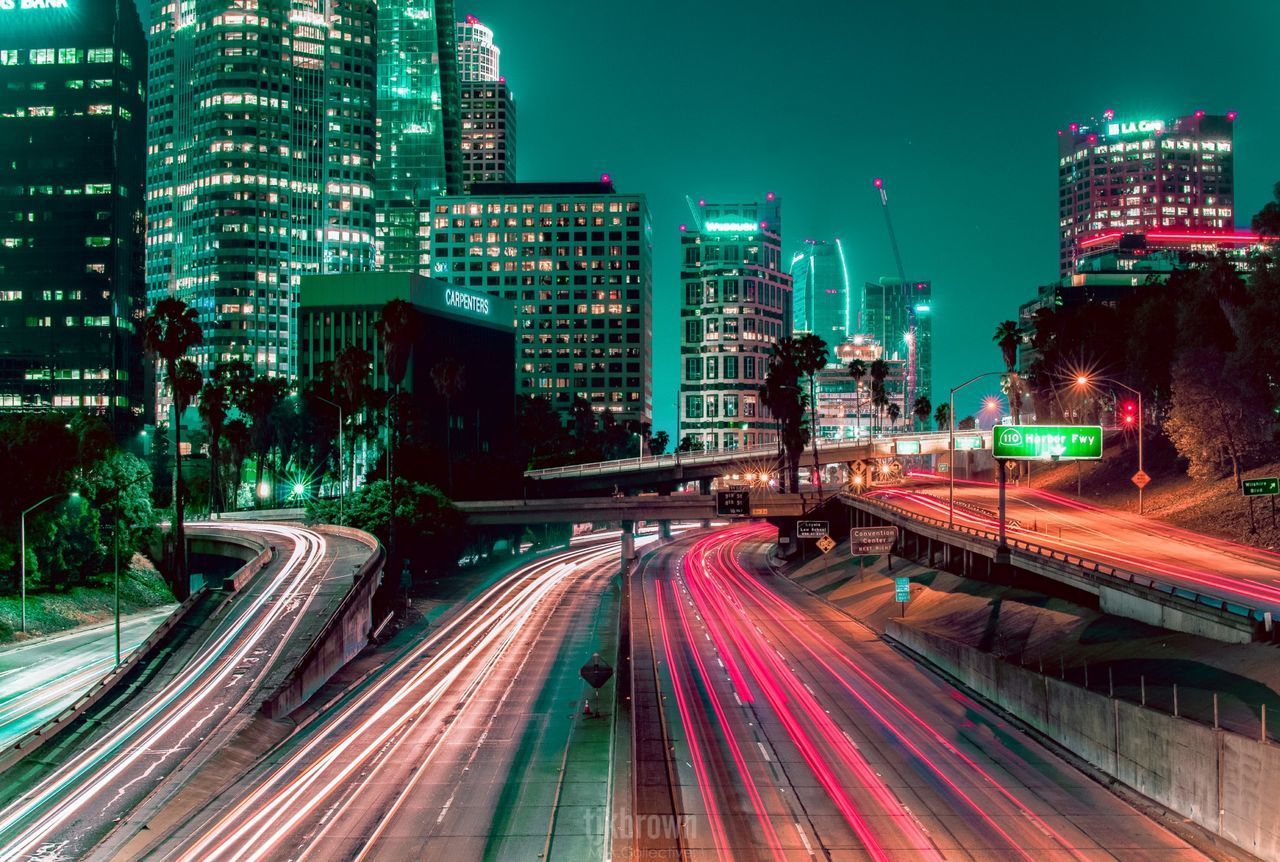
<point>905,129</point>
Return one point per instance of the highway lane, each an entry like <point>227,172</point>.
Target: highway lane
<point>41,677</point>
<point>452,751</point>
<point>64,814</point>
<point>1169,554</point>
<point>798,734</point>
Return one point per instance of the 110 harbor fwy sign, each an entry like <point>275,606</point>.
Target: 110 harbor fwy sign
<point>1047,442</point>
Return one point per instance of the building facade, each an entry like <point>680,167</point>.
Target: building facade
<point>488,133</point>
<point>736,304</point>
<point>419,127</point>
<point>820,290</point>
<point>478,56</point>
<point>72,157</point>
<point>1132,175</point>
<point>260,151</point>
<point>575,260</point>
<point>900,319</point>
<point>845,407</point>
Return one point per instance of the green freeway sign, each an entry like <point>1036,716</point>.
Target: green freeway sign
<point>906,447</point>
<point>1047,442</point>
<point>1261,487</point>
<point>968,442</point>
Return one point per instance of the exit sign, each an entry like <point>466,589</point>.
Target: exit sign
<point>1047,442</point>
<point>1267,487</point>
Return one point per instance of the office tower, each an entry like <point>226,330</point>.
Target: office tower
<point>820,291</point>
<point>419,126</point>
<point>575,259</point>
<point>478,56</point>
<point>1133,175</point>
<point>72,156</point>
<point>900,320</point>
<point>488,133</point>
<point>260,148</point>
<point>736,303</point>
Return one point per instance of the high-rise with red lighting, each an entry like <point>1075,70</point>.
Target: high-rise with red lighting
<point>1129,175</point>
<point>488,109</point>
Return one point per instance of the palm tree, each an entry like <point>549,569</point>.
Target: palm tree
<point>893,411</point>
<point>857,370</point>
<point>811,357</point>
<point>879,372</point>
<point>942,417</point>
<point>169,332</point>
<point>261,398</point>
<point>450,378</point>
<point>921,409</point>
<point>781,394</point>
<point>238,445</point>
<point>350,379</point>
<point>400,327</point>
<point>214,404</point>
<point>879,400</point>
<point>1008,336</point>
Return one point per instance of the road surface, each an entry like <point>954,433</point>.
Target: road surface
<point>1197,562</point>
<point>64,813</point>
<point>798,734</point>
<point>41,677</point>
<point>454,750</point>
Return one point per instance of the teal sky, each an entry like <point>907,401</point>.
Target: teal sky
<point>957,105</point>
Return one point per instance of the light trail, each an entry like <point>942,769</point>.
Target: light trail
<point>359,733</point>
<point>37,817</point>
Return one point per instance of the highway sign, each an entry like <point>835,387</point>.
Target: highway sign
<point>812,529</point>
<point>1047,442</point>
<point>902,589</point>
<point>872,540</point>
<point>735,502</point>
<point>825,544</point>
<point>858,468</point>
<point>1267,487</point>
<point>596,672</point>
<point>971,442</point>
<point>906,447</point>
<point>1141,479</point>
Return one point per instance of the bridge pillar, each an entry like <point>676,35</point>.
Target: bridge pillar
<point>704,485</point>
<point>664,530</point>
<point>628,543</point>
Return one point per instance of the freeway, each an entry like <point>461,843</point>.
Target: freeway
<point>452,750</point>
<point>1192,560</point>
<point>798,734</point>
<point>40,678</point>
<point>61,815</point>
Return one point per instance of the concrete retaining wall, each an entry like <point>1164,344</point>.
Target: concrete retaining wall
<point>1219,780</point>
<point>344,635</point>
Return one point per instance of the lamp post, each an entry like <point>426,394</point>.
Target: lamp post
<point>1084,380</point>
<point>22,546</point>
<point>342,476</point>
<point>951,445</point>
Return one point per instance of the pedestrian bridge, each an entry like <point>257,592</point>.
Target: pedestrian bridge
<point>697,466</point>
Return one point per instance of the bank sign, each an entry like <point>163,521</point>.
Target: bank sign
<point>1117,129</point>
<point>1047,442</point>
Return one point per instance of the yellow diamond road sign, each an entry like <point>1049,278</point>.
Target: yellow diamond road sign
<point>1141,479</point>
<point>825,544</point>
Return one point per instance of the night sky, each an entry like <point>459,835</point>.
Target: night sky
<point>957,105</point>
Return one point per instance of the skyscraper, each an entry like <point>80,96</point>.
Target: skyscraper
<point>71,179</point>
<point>575,259</point>
<point>418,126</point>
<point>821,296</point>
<point>488,109</point>
<point>736,305</point>
<point>260,150</point>
<point>1127,176</point>
<point>900,320</point>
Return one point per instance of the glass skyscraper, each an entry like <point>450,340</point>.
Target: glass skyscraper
<point>260,162</point>
<point>419,152</point>
<point>71,184</point>
<point>821,296</point>
<point>900,319</point>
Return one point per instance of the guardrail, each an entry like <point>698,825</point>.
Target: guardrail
<point>1089,567</point>
<point>693,459</point>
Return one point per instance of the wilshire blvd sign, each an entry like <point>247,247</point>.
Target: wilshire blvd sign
<point>1047,442</point>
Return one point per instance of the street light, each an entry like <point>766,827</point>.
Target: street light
<point>342,476</point>
<point>951,445</point>
<point>22,545</point>
<point>1084,380</point>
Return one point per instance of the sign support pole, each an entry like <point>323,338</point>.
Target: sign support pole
<point>1003,550</point>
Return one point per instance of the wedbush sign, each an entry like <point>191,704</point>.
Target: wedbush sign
<point>1047,442</point>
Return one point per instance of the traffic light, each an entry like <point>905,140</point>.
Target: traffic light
<point>1129,413</point>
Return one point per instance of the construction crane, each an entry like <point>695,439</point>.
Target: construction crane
<point>909,392</point>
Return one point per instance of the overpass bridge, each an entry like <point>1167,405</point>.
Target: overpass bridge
<point>650,507</point>
<point>702,467</point>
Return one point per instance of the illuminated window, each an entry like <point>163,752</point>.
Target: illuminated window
<point>40,56</point>
<point>8,57</point>
<point>99,55</point>
<point>70,55</point>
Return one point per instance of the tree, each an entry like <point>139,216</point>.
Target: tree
<point>857,370</point>
<point>689,443</point>
<point>1218,415</point>
<point>349,386</point>
<point>215,401</point>
<point>658,443</point>
<point>541,432</point>
<point>169,332</point>
<point>239,444</point>
<point>261,398</point>
<point>968,423</point>
<point>1008,336</point>
<point>811,357</point>
<point>921,410</point>
<point>781,394</point>
<point>400,326</point>
<point>893,411</point>
<point>449,378</point>
<point>879,372</point>
<point>942,417</point>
